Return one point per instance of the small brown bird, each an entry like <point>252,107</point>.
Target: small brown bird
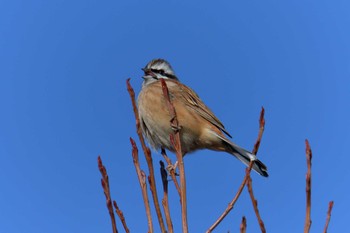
<point>200,128</point>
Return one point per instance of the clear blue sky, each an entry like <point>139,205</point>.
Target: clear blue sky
<point>63,101</point>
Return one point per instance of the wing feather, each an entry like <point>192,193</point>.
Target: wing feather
<point>195,103</point>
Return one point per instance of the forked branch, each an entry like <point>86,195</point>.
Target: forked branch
<point>249,180</point>
<point>246,177</point>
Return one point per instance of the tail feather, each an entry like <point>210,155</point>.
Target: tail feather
<point>245,156</point>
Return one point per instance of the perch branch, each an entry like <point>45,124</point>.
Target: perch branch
<point>147,153</point>
<point>171,172</point>
<point>175,139</point>
<point>165,201</point>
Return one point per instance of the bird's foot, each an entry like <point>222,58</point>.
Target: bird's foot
<point>172,168</point>
<point>175,127</point>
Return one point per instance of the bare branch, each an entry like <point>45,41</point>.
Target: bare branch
<point>165,201</point>
<point>329,212</point>
<point>246,177</point>
<point>142,180</point>
<point>121,216</point>
<point>172,172</point>
<point>249,180</point>
<point>243,227</point>
<point>106,190</point>
<point>261,131</point>
<point>177,145</point>
<point>308,188</point>
<point>255,205</point>
<point>234,200</point>
<point>147,153</point>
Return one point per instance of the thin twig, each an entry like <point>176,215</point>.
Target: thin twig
<point>255,205</point>
<point>175,138</point>
<point>147,153</point>
<point>261,131</point>
<point>243,226</point>
<point>142,179</point>
<point>106,190</point>
<point>153,189</point>
<point>172,171</point>
<point>246,177</point>
<point>165,201</point>
<point>329,212</point>
<point>249,180</point>
<point>121,216</point>
<point>234,200</point>
<point>308,187</point>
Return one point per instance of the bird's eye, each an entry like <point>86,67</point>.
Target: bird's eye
<point>158,71</point>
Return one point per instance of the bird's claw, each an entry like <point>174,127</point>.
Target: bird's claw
<point>172,168</point>
<point>175,128</point>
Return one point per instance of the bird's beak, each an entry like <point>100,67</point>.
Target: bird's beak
<point>148,73</point>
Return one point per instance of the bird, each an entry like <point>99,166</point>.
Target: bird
<point>199,127</point>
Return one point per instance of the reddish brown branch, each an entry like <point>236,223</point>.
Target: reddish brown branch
<point>249,180</point>
<point>329,212</point>
<point>106,190</point>
<point>308,187</point>
<point>243,226</point>
<point>246,177</point>
<point>255,205</point>
<point>261,131</point>
<point>165,201</point>
<point>148,156</point>
<point>142,180</point>
<point>171,171</point>
<point>121,216</point>
<point>234,200</point>
<point>175,138</point>
<point>153,189</point>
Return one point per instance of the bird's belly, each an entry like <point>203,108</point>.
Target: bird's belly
<point>154,113</point>
<point>160,129</point>
<point>155,119</point>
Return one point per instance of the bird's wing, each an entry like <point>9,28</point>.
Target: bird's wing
<point>194,102</point>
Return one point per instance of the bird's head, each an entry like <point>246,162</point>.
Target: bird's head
<point>156,69</point>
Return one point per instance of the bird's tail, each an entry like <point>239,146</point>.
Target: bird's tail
<point>245,156</point>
